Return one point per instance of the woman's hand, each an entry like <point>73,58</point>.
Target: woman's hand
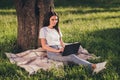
<point>60,50</point>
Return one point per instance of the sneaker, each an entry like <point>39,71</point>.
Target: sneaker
<point>99,67</point>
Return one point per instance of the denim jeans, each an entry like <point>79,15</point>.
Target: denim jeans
<point>70,58</point>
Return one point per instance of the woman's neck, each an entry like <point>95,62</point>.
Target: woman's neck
<point>51,27</point>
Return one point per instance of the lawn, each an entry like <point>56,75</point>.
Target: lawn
<point>96,26</point>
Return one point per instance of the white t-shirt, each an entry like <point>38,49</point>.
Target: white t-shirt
<point>51,35</point>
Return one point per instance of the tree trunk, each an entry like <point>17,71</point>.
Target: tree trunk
<point>30,15</point>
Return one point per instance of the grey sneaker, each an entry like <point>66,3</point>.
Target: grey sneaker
<point>99,67</point>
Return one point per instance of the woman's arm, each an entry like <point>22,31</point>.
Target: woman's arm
<point>62,43</point>
<point>46,47</point>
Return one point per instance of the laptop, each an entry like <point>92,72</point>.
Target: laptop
<point>71,49</point>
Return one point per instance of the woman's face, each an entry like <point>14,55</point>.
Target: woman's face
<point>53,20</point>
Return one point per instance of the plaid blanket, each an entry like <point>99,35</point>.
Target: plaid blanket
<point>35,59</point>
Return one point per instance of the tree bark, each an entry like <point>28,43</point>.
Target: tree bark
<point>30,16</point>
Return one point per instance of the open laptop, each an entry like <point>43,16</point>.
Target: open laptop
<point>71,49</point>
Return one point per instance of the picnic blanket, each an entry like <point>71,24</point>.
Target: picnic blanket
<point>35,59</point>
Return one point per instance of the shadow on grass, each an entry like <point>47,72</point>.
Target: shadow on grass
<point>106,43</point>
<point>88,3</point>
<point>71,3</point>
<point>6,4</point>
<point>106,39</point>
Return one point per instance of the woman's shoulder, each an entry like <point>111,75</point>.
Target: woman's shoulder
<point>43,28</point>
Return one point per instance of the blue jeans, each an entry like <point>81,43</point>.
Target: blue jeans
<point>70,58</point>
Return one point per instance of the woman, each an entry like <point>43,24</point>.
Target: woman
<point>51,40</point>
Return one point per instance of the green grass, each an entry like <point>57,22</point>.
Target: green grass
<point>97,27</point>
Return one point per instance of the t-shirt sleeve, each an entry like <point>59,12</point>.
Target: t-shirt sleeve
<point>42,33</point>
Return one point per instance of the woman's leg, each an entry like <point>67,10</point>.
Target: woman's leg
<point>73,58</point>
<point>69,58</point>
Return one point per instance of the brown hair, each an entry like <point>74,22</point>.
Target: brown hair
<point>47,18</point>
